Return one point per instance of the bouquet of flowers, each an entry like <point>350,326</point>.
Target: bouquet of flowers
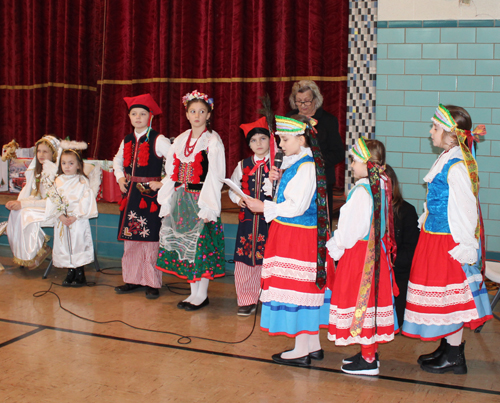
<point>59,200</point>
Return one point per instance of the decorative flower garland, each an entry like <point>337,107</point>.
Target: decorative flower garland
<point>197,95</point>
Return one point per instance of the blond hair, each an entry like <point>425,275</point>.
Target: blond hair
<point>304,86</point>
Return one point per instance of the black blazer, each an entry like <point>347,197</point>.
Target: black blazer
<point>330,143</point>
<point>406,233</point>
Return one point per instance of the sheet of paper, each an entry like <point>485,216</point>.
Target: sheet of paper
<point>235,188</point>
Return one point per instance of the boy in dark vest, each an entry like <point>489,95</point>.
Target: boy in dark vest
<point>252,228</point>
<point>137,166</point>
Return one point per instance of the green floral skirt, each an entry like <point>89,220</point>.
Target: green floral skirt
<point>176,237</point>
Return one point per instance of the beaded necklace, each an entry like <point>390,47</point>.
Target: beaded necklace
<point>188,149</point>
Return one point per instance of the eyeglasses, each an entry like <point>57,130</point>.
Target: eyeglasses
<point>304,103</point>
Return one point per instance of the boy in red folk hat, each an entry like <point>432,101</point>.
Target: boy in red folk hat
<point>137,166</point>
<point>252,228</point>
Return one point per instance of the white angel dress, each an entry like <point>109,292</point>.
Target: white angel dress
<point>27,240</point>
<point>73,196</point>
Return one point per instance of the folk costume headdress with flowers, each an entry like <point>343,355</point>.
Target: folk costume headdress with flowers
<point>192,172</point>
<point>144,101</point>
<point>197,95</point>
<point>293,127</point>
<point>466,139</point>
<point>371,271</point>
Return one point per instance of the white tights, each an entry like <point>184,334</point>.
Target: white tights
<point>455,339</point>
<point>304,344</point>
<point>199,291</point>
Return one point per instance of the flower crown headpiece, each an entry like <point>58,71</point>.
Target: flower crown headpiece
<point>285,125</point>
<point>360,151</point>
<point>197,95</point>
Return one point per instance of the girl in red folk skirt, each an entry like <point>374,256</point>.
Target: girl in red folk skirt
<point>446,291</point>
<point>361,308</point>
<point>293,271</point>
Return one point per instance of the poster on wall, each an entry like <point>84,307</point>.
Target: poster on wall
<point>4,176</point>
<point>17,168</point>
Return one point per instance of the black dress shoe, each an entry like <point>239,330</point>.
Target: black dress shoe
<point>317,355</point>
<point>182,305</point>
<point>246,310</point>
<point>127,288</point>
<point>80,279</point>
<point>191,307</point>
<point>152,293</point>
<point>69,278</point>
<point>296,362</point>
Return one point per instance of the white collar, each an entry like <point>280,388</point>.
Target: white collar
<point>288,161</point>
<point>441,161</point>
<point>266,158</point>
<point>139,135</point>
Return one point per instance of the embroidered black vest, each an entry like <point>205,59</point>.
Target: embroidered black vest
<point>139,220</point>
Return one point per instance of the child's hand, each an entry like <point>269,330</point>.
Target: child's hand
<point>205,220</point>
<point>255,205</point>
<point>67,220</point>
<point>274,174</point>
<point>122,182</point>
<point>242,203</point>
<point>155,185</point>
<point>13,205</point>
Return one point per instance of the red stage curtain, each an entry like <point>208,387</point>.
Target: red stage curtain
<point>73,62</point>
<point>48,72</point>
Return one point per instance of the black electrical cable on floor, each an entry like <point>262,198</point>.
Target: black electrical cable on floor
<point>182,338</point>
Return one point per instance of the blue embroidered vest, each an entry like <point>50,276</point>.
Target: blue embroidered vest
<point>438,193</point>
<point>310,216</point>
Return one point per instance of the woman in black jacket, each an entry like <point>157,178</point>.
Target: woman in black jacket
<point>306,99</point>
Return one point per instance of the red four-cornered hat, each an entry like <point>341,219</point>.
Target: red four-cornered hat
<point>144,101</point>
<point>259,126</point>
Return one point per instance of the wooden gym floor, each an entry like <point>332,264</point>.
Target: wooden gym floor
<point>49,355</point>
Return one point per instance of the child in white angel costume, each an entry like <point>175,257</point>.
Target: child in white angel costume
<point>27,240</point>
<point>71,203</point>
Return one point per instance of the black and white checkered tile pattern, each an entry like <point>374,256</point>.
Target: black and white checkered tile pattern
<point>361,76</point>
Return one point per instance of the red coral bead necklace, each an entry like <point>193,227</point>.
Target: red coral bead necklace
<point>188,149</point>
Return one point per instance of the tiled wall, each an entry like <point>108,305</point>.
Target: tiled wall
<point>104,232</point>
<point>421,64</point>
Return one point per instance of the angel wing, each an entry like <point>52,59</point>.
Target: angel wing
<point>94,173</point>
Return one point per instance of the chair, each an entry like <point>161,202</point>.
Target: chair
<point>493,273</point>
<point>94,173</point>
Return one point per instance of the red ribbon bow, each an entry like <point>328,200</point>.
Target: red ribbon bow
<point>257,165</point>
<point>474,135</point>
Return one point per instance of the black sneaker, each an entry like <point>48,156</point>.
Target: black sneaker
<point>355,357</point>
<point>360,367</point>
